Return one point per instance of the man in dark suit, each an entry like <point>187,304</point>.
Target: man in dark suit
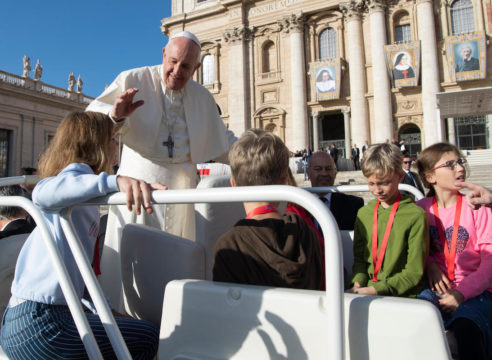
<point>355,156</point>
<point>411,178</point>
<point>334,153</point>
<point>322,172</point>
<point>13,219</point>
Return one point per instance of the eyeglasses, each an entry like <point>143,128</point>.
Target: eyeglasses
<point>408,162</point>
<point>452,164</point>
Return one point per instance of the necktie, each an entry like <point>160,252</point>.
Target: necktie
<point>412,178</point>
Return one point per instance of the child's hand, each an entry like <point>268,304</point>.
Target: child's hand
<point>352,290</point>
<point>136,191</point>
<point>437,280</point>
<point>451,301</point>
<point>369,290</point>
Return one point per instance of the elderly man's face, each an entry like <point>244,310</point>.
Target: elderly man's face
<point>180,62</point>
<point>466,53</point>
<point>321,170</point>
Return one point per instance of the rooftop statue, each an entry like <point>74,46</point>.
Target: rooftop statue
<point>38,71</point>
<point>27,66</point>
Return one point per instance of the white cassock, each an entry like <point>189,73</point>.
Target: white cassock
<point>191,118</point>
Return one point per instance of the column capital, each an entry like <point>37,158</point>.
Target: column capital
<point>237,34</point>
<point>292,23</point>
<point>428,1</point>
<point>352,9</point>
<point>377,5</point>
<point>346,111</point>
<point>315,114</point>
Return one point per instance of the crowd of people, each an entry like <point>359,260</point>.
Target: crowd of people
<point>438,249</point>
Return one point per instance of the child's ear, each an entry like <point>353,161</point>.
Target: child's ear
<point>233,183</point>
<point>429,177</point>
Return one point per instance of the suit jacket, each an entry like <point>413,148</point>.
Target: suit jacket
<point>334,153</point>
<point>408,180</point>
<point>344,208</point>
<point>16,227</point>
<point>469,65</point>
<point>355,153</point>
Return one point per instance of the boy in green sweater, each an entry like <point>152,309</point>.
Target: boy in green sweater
<point>391,234</point>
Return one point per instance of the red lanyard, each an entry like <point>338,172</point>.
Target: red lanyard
<point>449,254</point>
<point>261,210</point>
<point>377,261</point>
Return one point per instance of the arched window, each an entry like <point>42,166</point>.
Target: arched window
<point>328,44</point>
<point>269,57</point>
<point>402,27</point>
<point>208,69</point>
<point>462,20</point>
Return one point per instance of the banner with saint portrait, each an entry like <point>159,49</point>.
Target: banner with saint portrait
<point>325,79</point>
<point>403,61</point>
<point>466,56</point>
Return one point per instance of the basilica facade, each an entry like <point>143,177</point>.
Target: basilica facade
<point>318,72</point>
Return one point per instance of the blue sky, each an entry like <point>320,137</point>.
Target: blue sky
<point>94,38</point>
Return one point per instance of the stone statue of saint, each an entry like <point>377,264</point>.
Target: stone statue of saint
<point>38,71</point>
<point>27,66</point>
<point>71,81</point>
<point>79,84</point>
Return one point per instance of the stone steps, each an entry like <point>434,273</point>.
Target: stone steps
<point>479,157</point>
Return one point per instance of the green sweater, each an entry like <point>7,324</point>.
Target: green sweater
<point>402,271</point>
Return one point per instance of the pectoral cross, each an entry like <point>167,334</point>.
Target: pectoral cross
<point>170,145</point>
<point>405,72</point>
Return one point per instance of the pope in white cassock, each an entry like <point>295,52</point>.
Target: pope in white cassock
<point>171,123</point>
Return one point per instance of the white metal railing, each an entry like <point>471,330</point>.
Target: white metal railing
<point>93,287</point>
<point>66,284</point>
<point>333,250</point>
<point>17,180</point>
<point>363,188</point>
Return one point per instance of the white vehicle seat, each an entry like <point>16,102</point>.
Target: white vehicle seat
<point>9,251</point>
<point>2,355</point>
<point>207,320</point>
<point>214,219</point>
<point>150,258</point>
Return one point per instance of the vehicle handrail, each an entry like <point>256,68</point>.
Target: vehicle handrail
<point>66,284</point>
<point>363,188</point>
<point>333,252</point>
<point>17,180</point>
<point>95,291</point>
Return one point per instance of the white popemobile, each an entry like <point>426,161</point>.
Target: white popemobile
<point>201,319</point>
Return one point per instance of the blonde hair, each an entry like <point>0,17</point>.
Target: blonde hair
<point>81,137</point>
<point>382,160</point>
<point>428,159</point>
<point>259,158</point>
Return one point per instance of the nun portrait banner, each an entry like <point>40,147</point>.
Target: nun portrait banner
<point>325,79</point>
<point>403,62</point>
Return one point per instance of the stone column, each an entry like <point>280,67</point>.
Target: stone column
<point>294,25</point>
<point>346,125</point>
<point>430,73</point>
<point>357,72</point>
<point>383,117</point>
<point>451,132</point>
<point>237,79</point>
<point>315,131</point>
